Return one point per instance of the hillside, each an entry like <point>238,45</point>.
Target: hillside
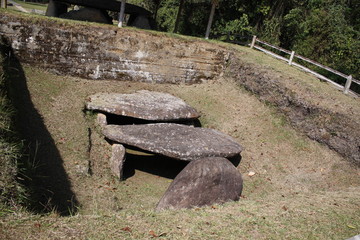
<point>301,189</point>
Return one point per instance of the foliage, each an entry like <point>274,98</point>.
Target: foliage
<point>321,31</point>
<point>239,26</point>
<point>166,15</point>
<point>327,31</point>
<point>271,30</point>
<point>10,148</point>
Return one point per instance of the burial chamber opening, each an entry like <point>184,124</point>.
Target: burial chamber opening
<point>113,119</point>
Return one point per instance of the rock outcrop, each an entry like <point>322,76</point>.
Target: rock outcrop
<point>203,182</point>
<point>108,52</point>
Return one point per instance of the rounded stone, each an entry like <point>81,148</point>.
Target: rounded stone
<point>203,182</point>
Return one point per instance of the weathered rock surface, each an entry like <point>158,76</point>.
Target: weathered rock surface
<point>55,8</point>
<point>101,120</point>
<point>203,182</point>
<point>174,140</point>
<point>117,160</point>
<point>140,21</point>
<point>144,104</point>
<point>88,14</point>
<point>109,52</point>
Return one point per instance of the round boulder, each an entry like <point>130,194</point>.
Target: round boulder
<point>203,182</point>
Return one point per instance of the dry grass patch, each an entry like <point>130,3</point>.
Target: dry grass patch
<point>300,190</point>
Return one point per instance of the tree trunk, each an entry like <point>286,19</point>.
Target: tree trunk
<point>122,11</point>
<point>178,16</point>
<point>210,20</point>
<point>3,3</point>
<point>157,3</point>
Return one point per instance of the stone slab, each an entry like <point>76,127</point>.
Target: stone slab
<point>174,140</point>
<point>88,14</point>
<point>203,182</point>
<point>147,105</point>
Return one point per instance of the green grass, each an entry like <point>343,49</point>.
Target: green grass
<point>30,5</point>
<point>301,190</point>
<point>271,207</point>
<point>10,149</point>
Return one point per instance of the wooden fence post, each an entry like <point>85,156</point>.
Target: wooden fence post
<point>121,14</point>
<point>3,3</point>
<point>253,42</point>
<point>291,57</point>
<point>348,84</point>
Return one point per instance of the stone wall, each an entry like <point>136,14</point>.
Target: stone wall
<point>107,52</point>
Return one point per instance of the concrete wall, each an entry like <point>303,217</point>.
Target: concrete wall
<point>107,52</point>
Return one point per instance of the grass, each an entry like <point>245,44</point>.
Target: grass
<point>306,85</point>
<point>29,6</point>
<point>11,193</point>
<point>300,190</point>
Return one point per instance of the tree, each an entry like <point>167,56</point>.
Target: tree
<point>320,30</point>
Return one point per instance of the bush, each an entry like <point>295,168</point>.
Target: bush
<point>10,148</point>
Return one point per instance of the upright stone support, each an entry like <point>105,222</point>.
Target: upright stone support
<point>101,120</point>
<point>117,160</point>
<point>122,13</point>
<point>3,3</point>
<point>291,57</point>
<point>55,9</point>
<point>253,42</point>
<point>348,84</point>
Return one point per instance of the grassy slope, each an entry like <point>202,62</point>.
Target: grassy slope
<point>29,6</point>
<point>301,189</point>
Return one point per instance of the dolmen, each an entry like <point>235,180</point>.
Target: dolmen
<point>146,105</point>
<point>209,178</point>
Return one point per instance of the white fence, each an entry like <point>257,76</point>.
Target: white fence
<point>290,60</point>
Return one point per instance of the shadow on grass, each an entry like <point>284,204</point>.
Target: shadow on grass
<point>41,170</point>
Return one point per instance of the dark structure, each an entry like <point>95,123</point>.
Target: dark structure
<point>139,17</point>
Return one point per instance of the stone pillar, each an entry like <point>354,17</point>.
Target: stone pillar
<point>122,13</point>
<point>55,9</point>
<point>101,120</point>
<point>117,160</point>
<point>3,3</point>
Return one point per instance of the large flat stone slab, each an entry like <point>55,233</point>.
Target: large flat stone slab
<point>174,140</point>
<point>203,182</point>
<point>147,105</point>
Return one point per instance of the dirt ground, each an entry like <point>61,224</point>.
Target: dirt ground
<point>301,189</point>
